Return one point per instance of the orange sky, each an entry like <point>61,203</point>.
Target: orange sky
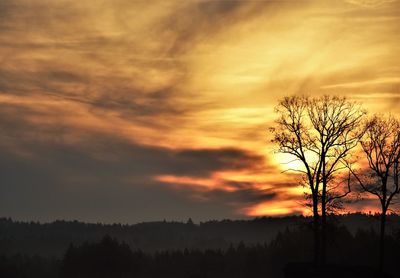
<point>171,100</point>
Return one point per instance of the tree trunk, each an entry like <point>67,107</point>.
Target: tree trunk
<point>323,211</point>
<point>323,232</point>
<point>382,240</point>
<point>316,232</point>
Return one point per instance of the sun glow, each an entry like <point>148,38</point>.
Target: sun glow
<point>290,163</point>
<point>279,208</point>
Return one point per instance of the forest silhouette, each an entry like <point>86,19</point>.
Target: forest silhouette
<point>263,247</point>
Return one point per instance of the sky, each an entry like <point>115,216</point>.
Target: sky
<point>130,111</point>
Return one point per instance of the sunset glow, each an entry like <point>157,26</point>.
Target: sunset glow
<point>171,101</point>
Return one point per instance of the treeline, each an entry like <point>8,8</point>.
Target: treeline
<point>110,257</point>
<point>52,239</point>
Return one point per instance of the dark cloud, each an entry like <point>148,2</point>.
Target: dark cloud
<point>209,159</point>
<point>245,194</point>
<point>103,177</point>
<point>47,141</point>
<point>69,184</point>
<point>123,98</point>
<point>130,102</point>
<point>65,76</point>
<point>41,17</point>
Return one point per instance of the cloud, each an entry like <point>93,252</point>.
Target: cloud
<point>102,177</point>
<point>233,192</point>
<point>244,194</point>
<point>370,3</point>
<point>105,97</point>
<point>392,80</point>
<point>236,159</point>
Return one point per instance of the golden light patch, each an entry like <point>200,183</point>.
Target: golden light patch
<point>276,208</point>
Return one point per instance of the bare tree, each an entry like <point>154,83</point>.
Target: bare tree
<point>320,133</point>
<point>381,147</point>
<point>292,135</point>
<point>336,122</point>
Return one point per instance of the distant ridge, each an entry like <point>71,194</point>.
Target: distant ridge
<point>51,239</point>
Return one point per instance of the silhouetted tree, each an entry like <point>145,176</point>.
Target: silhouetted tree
<point>190,222</point>
<point>319,132</point>
<point>336,122</point>
<point>381,146</point>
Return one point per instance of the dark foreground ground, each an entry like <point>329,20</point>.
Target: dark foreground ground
<point>352,251</point>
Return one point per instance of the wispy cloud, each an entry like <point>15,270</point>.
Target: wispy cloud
<point>370,3</point>
<point>378,81</point>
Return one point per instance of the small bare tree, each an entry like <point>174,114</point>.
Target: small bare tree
<point>381,147</point>
<point>319,133</point>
